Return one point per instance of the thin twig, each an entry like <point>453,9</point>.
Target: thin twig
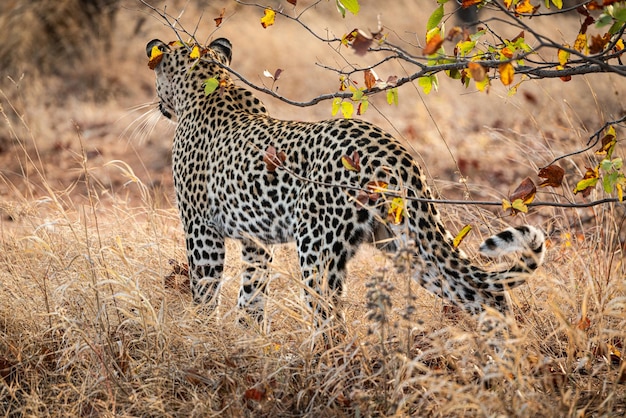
<point>590,144</point>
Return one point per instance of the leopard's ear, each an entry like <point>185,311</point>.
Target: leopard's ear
<point>162,46</point>
<point>224,48</point>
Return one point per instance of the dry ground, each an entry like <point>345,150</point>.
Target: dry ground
<point>89,326</point>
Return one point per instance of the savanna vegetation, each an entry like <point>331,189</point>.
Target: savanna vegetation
<point>515,109</point>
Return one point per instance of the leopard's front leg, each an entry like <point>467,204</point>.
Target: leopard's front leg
<point>205,254</point>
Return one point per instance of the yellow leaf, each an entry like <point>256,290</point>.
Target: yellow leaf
<point>508,3</point>
<point>432,34</point>
<point>336,106</point>
<point>461,235</point>
<point>195,52</point>
<point>396,211</point>
<point>558,4</point>
<point>177,44</point>
<point>377,186</point>
<point>608,142</point>
<point>483,85</point>
<point>433,45</point>
<point>155,52</point>
<point>524,7</point>
<point>513,90</point>
<point>614,351</point>
<point>392,96</point>
<point>268,18</point>
<point>580,44</point>
<point>506,71</point>
<point>588,182</point>
<point>619,45</point>
<point>518,205</point>
<point>156,55</point>
<point>563,55</point>
<point>273,347</point>
<point>347,109</point>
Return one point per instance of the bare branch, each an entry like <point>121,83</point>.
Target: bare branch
<point>399,193</point>
<point>593,140</point>
<point>583,64</point>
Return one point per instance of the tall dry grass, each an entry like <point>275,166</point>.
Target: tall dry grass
<point>89,326</point>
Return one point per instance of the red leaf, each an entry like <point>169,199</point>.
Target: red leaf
<point>254,394</point>
<point>584,324</point>
<point>370,79</point>
<point>272,159</point>
<point>359,40</point>
<point>218,20</point>
<point>469,3</point>
<point>525,191</point>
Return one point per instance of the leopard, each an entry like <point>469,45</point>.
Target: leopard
<point>329,186</point>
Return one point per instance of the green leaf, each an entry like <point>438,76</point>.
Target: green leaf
<point>617,163</point>
<point>427,83</point>
<point>350,5</point>
<point>615,27</point>
<point>620,15</point>
<point>454,74</point>
<point>606,165</point>
<point>357,94</point>
<point>341,9</point>
<point>435,18</point>
<point>604,20</point>
<point>519,205</point>
<point>476,36</point>
<point>392,96</point>
<point>608,181</point>
<point>210,85</point>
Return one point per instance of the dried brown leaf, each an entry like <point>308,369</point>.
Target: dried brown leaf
<point>553,175</point>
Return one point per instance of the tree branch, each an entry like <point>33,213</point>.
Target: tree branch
<point>540,69</point>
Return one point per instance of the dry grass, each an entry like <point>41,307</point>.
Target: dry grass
<point>88,326</point>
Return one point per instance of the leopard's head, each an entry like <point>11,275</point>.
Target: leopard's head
<point>183,69</point>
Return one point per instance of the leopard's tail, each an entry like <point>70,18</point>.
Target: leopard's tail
<point>527,240</point>
<point>447,272</point>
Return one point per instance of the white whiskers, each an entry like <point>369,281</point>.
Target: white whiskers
<point>144,125</point>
